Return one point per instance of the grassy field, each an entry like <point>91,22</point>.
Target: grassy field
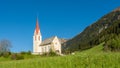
<point>92,58</point>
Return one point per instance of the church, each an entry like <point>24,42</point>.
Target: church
<point>40,47</point>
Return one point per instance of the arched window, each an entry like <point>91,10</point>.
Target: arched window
<point>49,48</point>
<point>45,49</point>
<point>39,38</point>
<point>35,38</point>
<point>42,49</point>
<point>55,43</point>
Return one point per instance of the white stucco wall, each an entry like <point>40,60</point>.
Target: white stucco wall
<point>45,48</point>
<point>57,44</point>
<point>37,40</point>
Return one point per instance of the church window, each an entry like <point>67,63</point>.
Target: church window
<point>55,43</point>
<point>49,48</point>
<point>35,38</point>
<point>42,50</point>
<point>45,49</point>
<point>39,37</point>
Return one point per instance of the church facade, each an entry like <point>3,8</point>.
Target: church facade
<point>41,47</point>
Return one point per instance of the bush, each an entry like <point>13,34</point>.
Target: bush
<point>20,56</point>
<point>112,45</point>
<point>1,54</point>
<point>14,56</point>
<point>17,56</point>
<point>6,54</point>
<point>51,53</point>
<point>28,53</point>
<point>23,53</point>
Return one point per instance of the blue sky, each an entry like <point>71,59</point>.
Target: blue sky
<point>64,18</point>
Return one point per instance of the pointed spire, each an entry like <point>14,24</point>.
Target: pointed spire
<point>37,27</point>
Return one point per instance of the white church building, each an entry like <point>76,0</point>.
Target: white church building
<point>41,47</point>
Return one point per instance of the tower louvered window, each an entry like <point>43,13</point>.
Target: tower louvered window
<point>39,38</point>
<point>35,38</point>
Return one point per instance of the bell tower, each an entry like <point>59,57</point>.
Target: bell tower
<point>37,38</point>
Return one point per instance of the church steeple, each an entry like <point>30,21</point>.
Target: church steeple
<point>37,37</point>
<point>37,29</point>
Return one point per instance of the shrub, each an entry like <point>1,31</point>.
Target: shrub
<point>113,44</point>
<point>51,53</point>
<point>14,56</point>
<point>20,56</point>
<point>1,54</point>
<point>28,53</point>
<point>23,53</point>
<point>6,54</point>
<point>45,54</point>
<point>17,56</point>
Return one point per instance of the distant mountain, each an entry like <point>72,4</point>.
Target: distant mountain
<point>93,34</point>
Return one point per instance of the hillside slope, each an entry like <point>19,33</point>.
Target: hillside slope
<point>94,50</point>
<point>87,38</point>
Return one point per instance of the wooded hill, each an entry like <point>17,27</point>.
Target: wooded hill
<point>106,29</point>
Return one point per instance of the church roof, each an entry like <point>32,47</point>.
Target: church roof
<point>48,41</point>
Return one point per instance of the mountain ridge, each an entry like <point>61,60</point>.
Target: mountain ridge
<point>85,39</point>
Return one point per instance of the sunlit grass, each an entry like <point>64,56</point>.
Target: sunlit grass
<point>92,58</point>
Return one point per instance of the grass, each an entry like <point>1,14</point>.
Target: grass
<point>92,58</point>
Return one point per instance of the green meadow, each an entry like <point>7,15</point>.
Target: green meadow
<point>91,58</point>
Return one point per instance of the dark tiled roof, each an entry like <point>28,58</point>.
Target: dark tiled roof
<point>47,41</point>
